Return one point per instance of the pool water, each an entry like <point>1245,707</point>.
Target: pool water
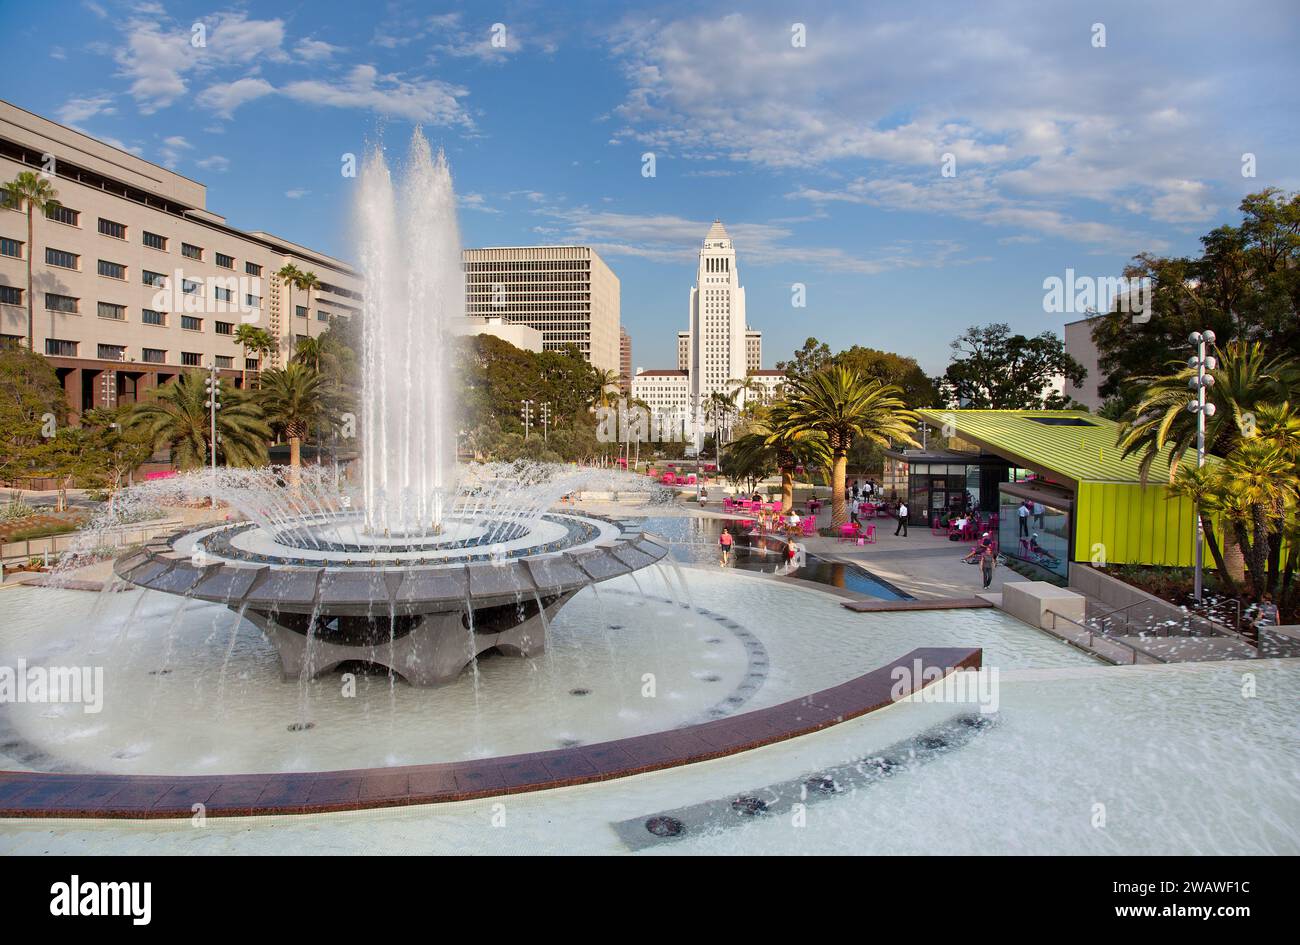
<point>695,541</point>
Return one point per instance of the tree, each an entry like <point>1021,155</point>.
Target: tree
<point>889,368</point>
<point>1204,485</point>
<point>1244,286</point>
<point>290,275</point>
<point>115,450</point>
<point>32,192</point>
<point>307,282</point>
<point>842,406</point>
<point>32,407</point>
<point>255,340</point>
<point>993,369</point>
<point>773,438</point>
<point>1244,378</point>
<point>292,400</point>
<point>607,388</point>
<point>176,418</point>
<point>808,360</point>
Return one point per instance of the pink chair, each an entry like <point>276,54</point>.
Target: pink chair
<point>848,531</point>
<point>870,534</point>
<point>809,526</point>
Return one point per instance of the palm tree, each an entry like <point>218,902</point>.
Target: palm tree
<point>308,351</point>
<point>1246,377</point>
<point>607,387</point>
<point>844,406</point>
<point>307,281</point>
<point>773,434</point>
<point>293,401</point>
<point>31,191</point>
<point>718,408</point>
<point>289,274</point>
<point>1204,485</point>
<point>177,418</point>
<point>254,339</point>
<point>1260,485</point>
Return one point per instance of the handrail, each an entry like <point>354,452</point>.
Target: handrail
<point>1109,639</point>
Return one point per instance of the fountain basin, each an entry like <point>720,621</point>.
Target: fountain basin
<point>423,621</point>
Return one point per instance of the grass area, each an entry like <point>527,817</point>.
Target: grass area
<point>39,531</point>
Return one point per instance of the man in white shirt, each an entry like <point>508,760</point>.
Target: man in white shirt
<point>1023,512</point>
<point>902,519</point>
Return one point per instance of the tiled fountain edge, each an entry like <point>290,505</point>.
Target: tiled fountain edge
<point>43,794</point>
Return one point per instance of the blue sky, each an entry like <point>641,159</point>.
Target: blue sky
<point>824,160</point>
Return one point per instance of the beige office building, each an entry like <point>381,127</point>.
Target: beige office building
<point>134,279</point>
<point>565,292</point>
<point>624,362</point>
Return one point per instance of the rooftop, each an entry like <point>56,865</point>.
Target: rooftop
<point>1071,445</point>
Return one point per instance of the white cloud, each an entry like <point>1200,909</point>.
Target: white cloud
<point>214,162</point>
<point>426,100</point>
<point>77,110</point>
<point>171,150</point>
<point>296,194</point>
<point>225,97</point>
<point>314,50</point>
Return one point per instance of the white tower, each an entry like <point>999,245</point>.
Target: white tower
<point>717,350</point>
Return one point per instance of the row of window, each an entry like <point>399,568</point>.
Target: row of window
<point>62,348</point>
<point>116,230</point>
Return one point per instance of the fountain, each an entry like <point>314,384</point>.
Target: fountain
<point>430,565</point>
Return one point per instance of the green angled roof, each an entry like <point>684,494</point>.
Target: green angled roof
<point>1070,445</point>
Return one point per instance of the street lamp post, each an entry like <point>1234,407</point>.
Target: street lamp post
<point>546,421</point>
<point>526,414</point>
<point>213,387</point>
<point>1200,384</point>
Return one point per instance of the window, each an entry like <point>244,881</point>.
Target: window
<point>58,348</point>
<point>112,352</point>
<point>111,269</point>
<point>60,303</point>
<point>113,229</point>
<point>223,295</point>
<point>189,286</point>
<point>250,364</point>
<point>322,316</point>
<point>252,301</point>
<point>190,323</point>
<point>154,241</point>
<point>156,279</point>
<point>11,295</point>
<point>302,311</point>
<point>225,328</point>
<point>110,310</point>
<point>153,355</point>
<point>225,361</point>
<point>190,251</point>
<point>62,214</point>
<point>151,317</point>
<point>10,247</point>
<point>225,262</point>
<point>191,358</point>
<point>61,258</point>
<point>252,269</point>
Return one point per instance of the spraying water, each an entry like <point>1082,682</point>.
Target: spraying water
<point>409,247</point>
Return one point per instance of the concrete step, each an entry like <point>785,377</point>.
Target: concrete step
<point>1191,649</point>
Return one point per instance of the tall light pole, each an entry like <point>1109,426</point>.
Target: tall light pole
<point>1200,384</point>
<point>526,414</point>
<point>213,387</point>
<point>546,422</point>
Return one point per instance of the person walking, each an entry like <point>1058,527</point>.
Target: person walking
<point>902,520</point>
<point>1022,512</point>
<point>725,541</point>
<point>1039,512</point>
<point>988,561</point>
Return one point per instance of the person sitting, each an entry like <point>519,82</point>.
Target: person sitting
<point>1040,552</point>
<point>792,521</point>
<point>756,497</point>
<point>986,541</point>
<point>958,528</point>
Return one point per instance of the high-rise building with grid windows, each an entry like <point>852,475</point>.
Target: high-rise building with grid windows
<point>565,292</point>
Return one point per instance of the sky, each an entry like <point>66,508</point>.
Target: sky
<point>918,167</point>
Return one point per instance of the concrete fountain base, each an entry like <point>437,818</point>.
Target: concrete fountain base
<point>430,650</point>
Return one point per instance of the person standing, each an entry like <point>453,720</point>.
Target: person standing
<point>1023,514</point>
<point>988,561</point>
<point>1039,512</point>
<point>725,541</point>
<point>902,519</point>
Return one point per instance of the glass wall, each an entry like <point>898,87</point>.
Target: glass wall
<point>1035,531</point>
